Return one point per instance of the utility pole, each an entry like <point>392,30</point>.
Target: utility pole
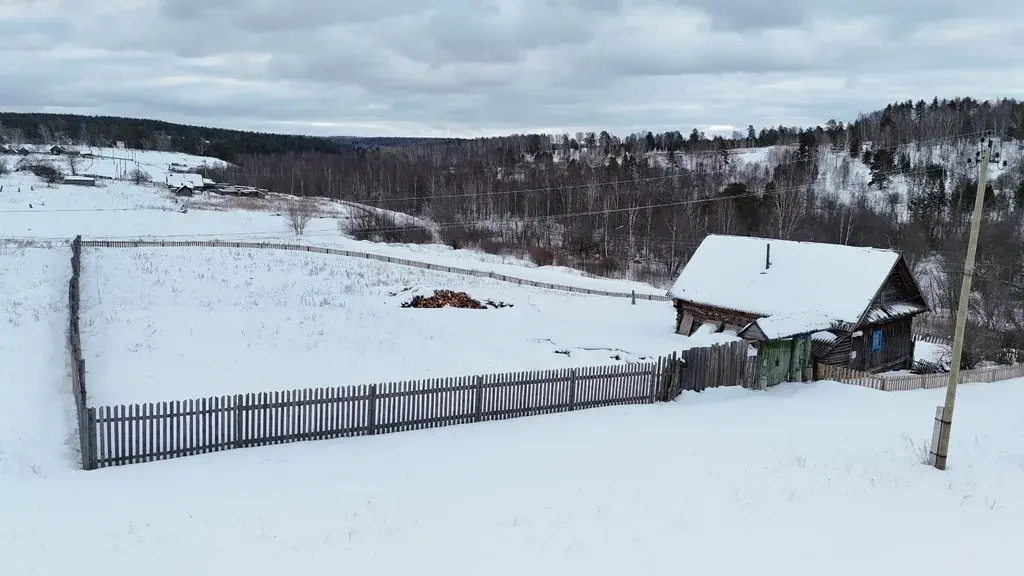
<point>944,414</point>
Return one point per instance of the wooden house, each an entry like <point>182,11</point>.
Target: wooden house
<point>855,305</point>
<point>184,191</point>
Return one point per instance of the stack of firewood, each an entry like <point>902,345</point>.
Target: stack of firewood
<point>444,299</point>
<point>451,299</point>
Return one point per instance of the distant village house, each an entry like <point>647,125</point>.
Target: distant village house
<point>850,306</point>
<point>80,180</point>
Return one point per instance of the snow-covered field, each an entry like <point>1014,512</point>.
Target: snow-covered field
<point>164,324</point>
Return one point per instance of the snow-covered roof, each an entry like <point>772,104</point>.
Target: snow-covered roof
<point>176,180</point>
<point>787,325</point>
<point>836,281</point>
<point>889,311</point>
<point>824,336</point>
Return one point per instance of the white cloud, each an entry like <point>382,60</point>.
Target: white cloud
<point>468,67</point>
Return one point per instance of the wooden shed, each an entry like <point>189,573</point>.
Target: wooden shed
<point>783,345</point>
<point>864,299</point>
<point>184,191</point>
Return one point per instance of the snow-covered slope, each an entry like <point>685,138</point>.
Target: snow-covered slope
<point>117,163</point>
<point>123,210</point>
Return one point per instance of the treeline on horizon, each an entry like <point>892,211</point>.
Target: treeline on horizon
<point>897,122</point>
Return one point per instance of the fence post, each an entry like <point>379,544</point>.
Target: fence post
<point>479,398</point>
<point>90,455</point>
<point>655,377</point>
<point>237,411</point>
<point>371,411</point>
<point>633,298</point>
<point>572,389</point>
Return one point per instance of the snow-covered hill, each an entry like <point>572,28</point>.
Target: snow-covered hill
<point>118,163</point>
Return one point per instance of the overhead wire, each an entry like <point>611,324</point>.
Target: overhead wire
<point>560,188</point>
<point>519,220</point>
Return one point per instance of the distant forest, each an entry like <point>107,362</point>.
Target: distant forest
<point>639,204</point>
<point>899,122</point>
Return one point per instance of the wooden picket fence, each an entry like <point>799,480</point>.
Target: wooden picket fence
<point>927,381</point>
<point>74,344</point>
<point>848,376</point>
<point>915,381</point>
<point>129,434</point>
<point>368,256</point>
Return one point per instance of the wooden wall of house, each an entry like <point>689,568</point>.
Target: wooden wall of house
<point>896,288</point>
<point>897,350</point>
<point>839,354</point>
<point>702,314</point>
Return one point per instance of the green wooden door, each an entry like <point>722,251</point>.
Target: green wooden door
<point>801,357</point>
<point>773,361</point>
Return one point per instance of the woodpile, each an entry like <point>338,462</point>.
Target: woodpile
<point>451,299</point>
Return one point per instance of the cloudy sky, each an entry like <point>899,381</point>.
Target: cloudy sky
<point>477,67</point>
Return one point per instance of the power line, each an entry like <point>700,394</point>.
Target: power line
<point>519,220</point>
<point>563,188</point>
<point>621,182</point>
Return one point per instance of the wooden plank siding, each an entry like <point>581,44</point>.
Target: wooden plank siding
<point>702,313</point>
<point>899,289</point>
<point>897,350</point>
<point>137,433</point>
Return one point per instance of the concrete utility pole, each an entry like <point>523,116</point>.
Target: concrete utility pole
<point>944,414</point>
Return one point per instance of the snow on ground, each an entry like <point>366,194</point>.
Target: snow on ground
<point>931,352</point>
<point>29,208</point>
<point>35,400</point>
<point>791,477</point>
<point>116,163</point>
<point>164,324</point>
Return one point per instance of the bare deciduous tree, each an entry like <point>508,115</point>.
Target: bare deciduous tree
<point>73,162</point>
<point>300,212</point>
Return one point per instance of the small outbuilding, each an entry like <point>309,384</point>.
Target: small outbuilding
<point>184,191</point>
<point>79,180</point>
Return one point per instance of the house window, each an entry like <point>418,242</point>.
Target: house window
<point>876,340</point>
